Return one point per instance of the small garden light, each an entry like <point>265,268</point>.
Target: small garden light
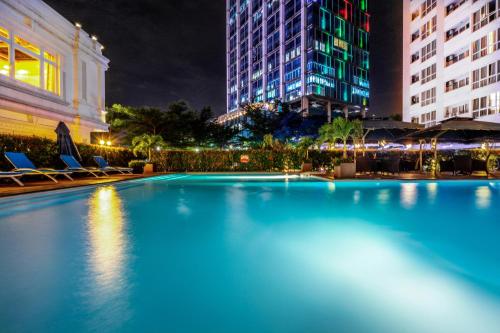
<point>101,142</point>
<point>158,148</point>
<point>108,143</point>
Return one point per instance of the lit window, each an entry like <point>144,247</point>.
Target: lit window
<point>49,57</point>
<point>4,32</point>
<point>4,58</point>
<point>51,74</point>
<point>29,62</point>
<point>27,45</point>
<point>27,68</point>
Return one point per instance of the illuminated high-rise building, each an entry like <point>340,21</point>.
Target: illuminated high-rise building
<point>311,54</point>
<point>451,65</point>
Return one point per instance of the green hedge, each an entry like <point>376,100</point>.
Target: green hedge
<point>224,160</point>
<point>44,152</point>
<point>273,160</point>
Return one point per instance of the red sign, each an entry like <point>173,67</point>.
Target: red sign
<point>244,159</point>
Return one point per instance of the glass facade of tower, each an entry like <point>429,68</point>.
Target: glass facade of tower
<point>289,50</point>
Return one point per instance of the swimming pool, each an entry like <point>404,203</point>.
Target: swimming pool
<point>232,254</point>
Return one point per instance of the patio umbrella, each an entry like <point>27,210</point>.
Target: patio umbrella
<point>460,130</point>
<point>65,142</point>
<point>387,130</point>
<point>456,130</point>
<point>376,131</point>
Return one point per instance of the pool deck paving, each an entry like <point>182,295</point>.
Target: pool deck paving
<point>8,188</point>
<point>32,185</point>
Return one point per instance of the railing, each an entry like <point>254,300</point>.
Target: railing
<point>450,60</point>
<point>454,84</point>
<point>454,6</point>
<point>455,32</point>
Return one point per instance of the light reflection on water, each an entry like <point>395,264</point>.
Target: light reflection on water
<point>408,195</point>
<point>107,258</point>
<point>483,197</point>
<point>432,189</point>
<point>107,239</point>
<point>413,295</point>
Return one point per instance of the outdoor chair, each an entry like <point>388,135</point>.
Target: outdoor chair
<point>479,165</point>
<point>462,164</point>
<point>103,165</point>
<point>23,165</point>
<point>75,166</point>
<point>12,176</point>
<point>390,165</point>
<point>365,165</point>
<point>446,166</point>
<point>408,165</point>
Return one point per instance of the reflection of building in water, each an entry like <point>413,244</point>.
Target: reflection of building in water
<point>107,239</point>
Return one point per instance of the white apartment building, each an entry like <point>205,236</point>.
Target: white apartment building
<point>451,62</point>
<point>50,71</point>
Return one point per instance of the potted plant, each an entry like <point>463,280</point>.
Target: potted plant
<point>304,145</point>
<point>344,130</point>
<point>345,168</point>
<point>144,145</point>
<point>137,166</point>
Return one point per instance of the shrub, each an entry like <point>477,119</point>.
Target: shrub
<point>224,160</point>
<point>137,165</point>
<point>44,152</point>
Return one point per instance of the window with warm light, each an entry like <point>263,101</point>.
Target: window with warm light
<point>4,58</point>
<point>4,32</point>
<point>27,68</point>
<point>28,62</point>
<point>51,73</point>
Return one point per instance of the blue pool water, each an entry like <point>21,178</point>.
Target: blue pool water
<point>261,254</point>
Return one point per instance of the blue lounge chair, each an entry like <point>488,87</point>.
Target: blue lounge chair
<point>23,165</point>
<point>103,165</point>
<point>75,166</point>
<point>13,176</point>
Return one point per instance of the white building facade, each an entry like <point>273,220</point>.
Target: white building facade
<point>50,71</point>
<point>451,62</point>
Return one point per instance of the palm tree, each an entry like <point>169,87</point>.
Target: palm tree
<point>268,141</point>
<point>343,129</point>
<point>327,134</point>
<point>357,133</point>
<point>144,144</point>
<point>304,145</point>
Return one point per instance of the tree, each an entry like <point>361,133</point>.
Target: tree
<point>200,126</point>
<point>268,141</point>
<point>177,129</point>
<point>343,129</point>
<point>134,120</point>
<point>221,135</point>
<point>304,145</point>
<point>327,134</point>
<point>357,133</point>
<point>259,121</point>
<point>144,144</point>
<point>340,129</point>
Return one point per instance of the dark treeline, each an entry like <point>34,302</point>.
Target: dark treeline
<point>179,125</point>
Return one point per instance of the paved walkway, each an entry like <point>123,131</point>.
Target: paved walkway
<point>419,176</point>
<point>8,188</point>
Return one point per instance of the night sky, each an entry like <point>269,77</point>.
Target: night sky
<point>166,50</point>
